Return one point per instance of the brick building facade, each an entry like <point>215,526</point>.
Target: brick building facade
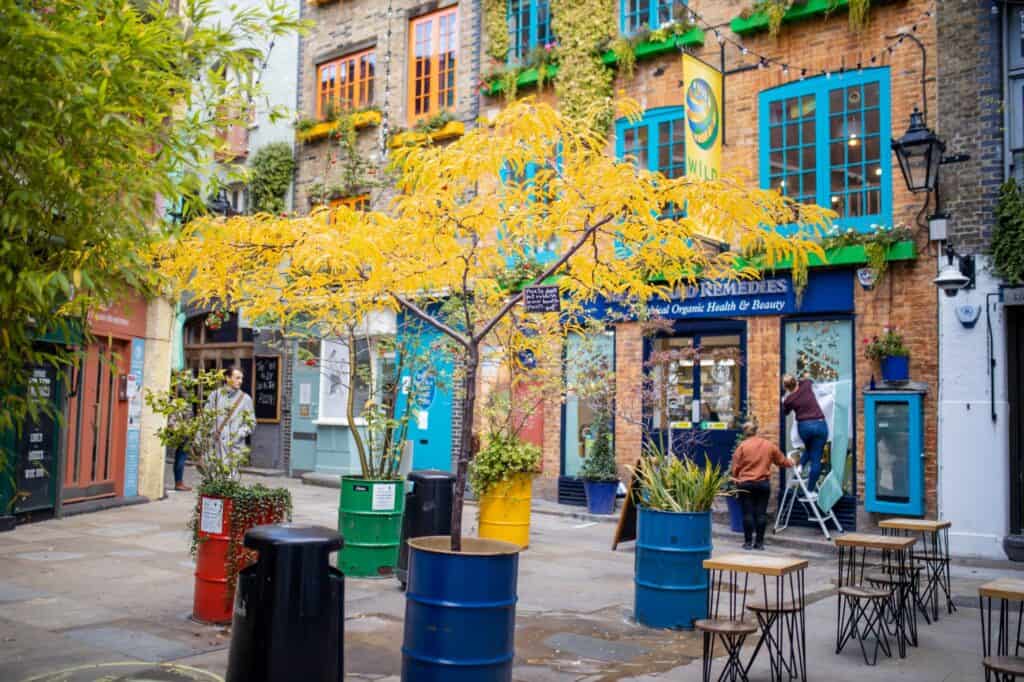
<point>818,54</point>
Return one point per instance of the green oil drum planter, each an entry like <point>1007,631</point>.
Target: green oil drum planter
<point>370,519</point>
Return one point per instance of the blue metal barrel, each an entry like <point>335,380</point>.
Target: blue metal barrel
<point>670,579</point>
<point>460,611</point>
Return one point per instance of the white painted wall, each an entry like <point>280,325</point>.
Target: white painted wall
<point>973,455</point>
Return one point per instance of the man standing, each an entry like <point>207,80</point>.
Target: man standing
<point>234,421</point>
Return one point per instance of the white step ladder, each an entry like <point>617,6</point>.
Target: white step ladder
<point>796,491</point>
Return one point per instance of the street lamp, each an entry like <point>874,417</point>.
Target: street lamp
<point>220,205</point>
<point>952,278</point>
<point>919,152</point>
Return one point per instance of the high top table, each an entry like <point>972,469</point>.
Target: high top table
<point>934,558</point>
<point>867,608</point>
<point>780,613</point>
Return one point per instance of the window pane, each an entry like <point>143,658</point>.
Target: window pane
<point>775,113</point>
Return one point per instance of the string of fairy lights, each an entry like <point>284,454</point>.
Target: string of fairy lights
<point>788,67</point>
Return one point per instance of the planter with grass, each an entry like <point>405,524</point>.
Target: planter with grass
<point>673,539</point>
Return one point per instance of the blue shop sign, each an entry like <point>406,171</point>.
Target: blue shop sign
<point>828,291</point>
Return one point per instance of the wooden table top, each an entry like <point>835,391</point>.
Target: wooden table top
<point>1003,588</point>
<point>926,525</point>
<point>761,564</point>
<point>872,541</point>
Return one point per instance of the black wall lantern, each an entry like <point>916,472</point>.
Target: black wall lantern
<point>920,152</point>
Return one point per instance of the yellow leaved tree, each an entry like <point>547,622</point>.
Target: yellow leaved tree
<point>529,197</point>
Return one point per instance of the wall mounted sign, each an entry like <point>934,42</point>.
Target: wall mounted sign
<point>541,299</point>
<point>702,84</point>
<point>267,388</point>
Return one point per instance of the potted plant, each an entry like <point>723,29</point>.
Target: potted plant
<point>673,538</point>
<point>891,354</point>
<point>599,474</point>
<point>225,508</point>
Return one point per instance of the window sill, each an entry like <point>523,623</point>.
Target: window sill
<point>527,78</point>
<point>449,131</point>
<point>360,119</point>
<point>358,421</point>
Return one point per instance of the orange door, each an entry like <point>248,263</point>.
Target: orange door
<point>97,422</point>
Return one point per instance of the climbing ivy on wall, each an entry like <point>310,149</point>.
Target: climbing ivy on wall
<point>495,23</point>
<point>271,169</point>
<point>584,84</point>
<point>1007,246</point>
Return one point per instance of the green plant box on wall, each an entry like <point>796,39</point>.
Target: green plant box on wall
<point>528,78</point>
<point>849,255</point>
<point>758,21</point>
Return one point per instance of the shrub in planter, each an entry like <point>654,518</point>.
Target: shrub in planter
<point>891,354</point>
<point>501,475</point>
<point>600,477</point>
<point>673,538</point>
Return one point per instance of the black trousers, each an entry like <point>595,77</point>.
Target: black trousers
<point>754,499</point>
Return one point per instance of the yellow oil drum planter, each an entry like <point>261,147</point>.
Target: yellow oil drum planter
<point>502,474</point>
<point>505,510</point>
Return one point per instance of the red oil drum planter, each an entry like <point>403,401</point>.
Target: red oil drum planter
<point>212,602</point>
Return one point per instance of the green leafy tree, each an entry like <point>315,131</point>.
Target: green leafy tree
<point>1007,246</point>
<point>110,111</point>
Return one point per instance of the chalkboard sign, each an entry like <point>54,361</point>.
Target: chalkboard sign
<point>541,299</point>
<point>266,395</point>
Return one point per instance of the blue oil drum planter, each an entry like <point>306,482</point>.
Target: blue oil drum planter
<point>460,611</point>
<point>895,368</point>
<point>601,496</point>
<point>671,584</point>
<point>735,513</point>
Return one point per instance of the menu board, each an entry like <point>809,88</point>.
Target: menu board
<point>266,396</point>
<point>35,466</point>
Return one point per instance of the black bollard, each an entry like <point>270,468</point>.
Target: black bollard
<point>288,621</point>
<point>428,511</point>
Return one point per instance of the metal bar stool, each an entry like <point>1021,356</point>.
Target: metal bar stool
<point>933,558</point>
<point>726,625</point>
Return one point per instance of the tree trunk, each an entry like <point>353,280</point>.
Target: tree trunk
<point>472,359</point>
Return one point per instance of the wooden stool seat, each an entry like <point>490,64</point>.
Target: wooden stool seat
<point>860,592</point>
<point>787,607</point>
<point>1006,665</point>
<point>888,578</point>
<point>726,626</point>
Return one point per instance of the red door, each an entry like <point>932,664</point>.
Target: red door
<point>97,422</point>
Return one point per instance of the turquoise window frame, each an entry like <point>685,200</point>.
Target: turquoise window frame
<point>819,87</point>
<point>647,14</point>
<point>543,254</point>
<point>652,121</point>
<point>531,22</point>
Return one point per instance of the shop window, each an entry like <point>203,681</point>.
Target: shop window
<point>825,141</point>
<point>585,354</point>
<point>345,84</point>
<point>529,27</point>
<point>374,365</point>
<point>433,46</point>
<point>636,14</point>
<point>656,143</point>
<point>823,350</point>
<point>1015,90</point>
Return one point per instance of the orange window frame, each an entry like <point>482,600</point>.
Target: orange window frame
<point>347,82</point>
<point>433,52</point>
<point>359,202</point>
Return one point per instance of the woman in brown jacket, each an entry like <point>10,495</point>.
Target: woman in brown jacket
<point>751,466</point>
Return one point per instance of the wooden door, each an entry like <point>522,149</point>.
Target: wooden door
<point>97,424</point>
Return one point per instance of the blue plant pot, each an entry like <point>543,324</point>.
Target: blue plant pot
<point>735,514</point>
<point>671,584</point>
<point>601,496</point>
<point>460,611</point>
<point>895,369</point>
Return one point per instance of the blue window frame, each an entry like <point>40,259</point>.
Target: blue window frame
<point>657,142</point>
<point>825,140</point>
<point>650,13</point>
<point>529,26</point>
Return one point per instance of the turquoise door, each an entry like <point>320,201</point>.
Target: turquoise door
<point>426,379</point>
<point>305,406</point>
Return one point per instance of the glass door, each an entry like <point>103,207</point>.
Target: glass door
<point>696,400</point>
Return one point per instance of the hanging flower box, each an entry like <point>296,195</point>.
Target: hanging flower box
<point>758,21</point>
<point>360,119</point>
<point>646,50</point>
<point>449,131</point>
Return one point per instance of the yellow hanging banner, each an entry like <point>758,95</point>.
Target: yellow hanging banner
<point>702,85</point>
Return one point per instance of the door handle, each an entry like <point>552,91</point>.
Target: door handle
<point>695,412</point>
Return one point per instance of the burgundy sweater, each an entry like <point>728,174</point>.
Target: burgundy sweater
<point>803,403</point>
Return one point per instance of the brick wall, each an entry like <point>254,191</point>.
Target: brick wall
<point>351,25</point>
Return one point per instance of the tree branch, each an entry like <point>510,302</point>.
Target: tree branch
<point>432,321</point>
<point>552,269</point>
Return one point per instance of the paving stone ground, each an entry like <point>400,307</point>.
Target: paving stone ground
<point>107,596</point>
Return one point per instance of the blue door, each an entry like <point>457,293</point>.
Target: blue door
<point>696,388</point>
<point>426,380</point>
<point>305,407</point>
<point>894,452</point>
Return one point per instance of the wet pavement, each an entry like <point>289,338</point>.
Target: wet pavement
<point>107,596</point>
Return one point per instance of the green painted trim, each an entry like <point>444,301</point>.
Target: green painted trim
<point>758,21</point>
<point>846,255</point>
<point>692,38</point>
